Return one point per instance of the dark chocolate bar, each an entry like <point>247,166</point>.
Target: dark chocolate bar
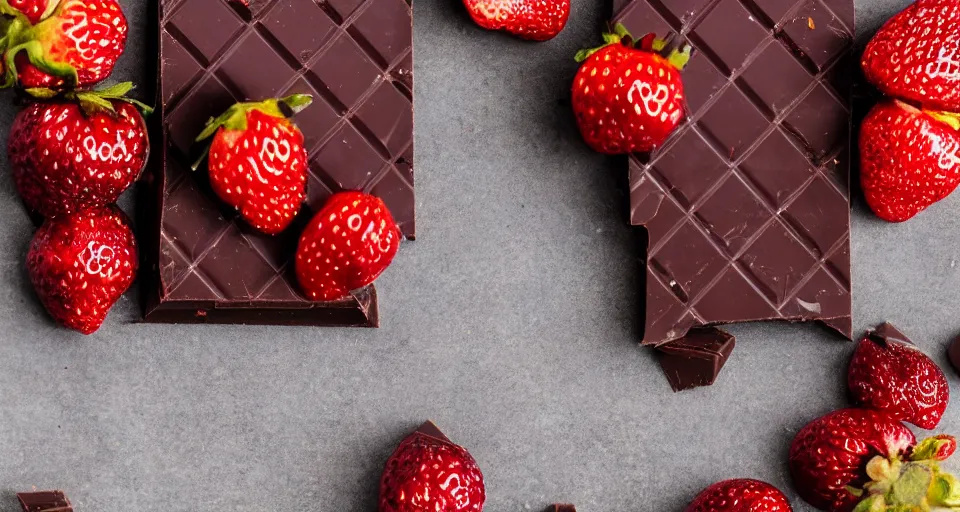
<point>696,359</point>
<point>561,508</point>
<point>44,501</point>
<point>355,58</point>
<point>747,205</point>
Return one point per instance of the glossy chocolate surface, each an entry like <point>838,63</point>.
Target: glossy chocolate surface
<point>44,501</point>
<point>747,206</point>
<point>696,359</point>
<point>355,58</point>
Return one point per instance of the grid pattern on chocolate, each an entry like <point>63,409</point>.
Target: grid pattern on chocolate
<point>762,229</point>
<point>355,61</point>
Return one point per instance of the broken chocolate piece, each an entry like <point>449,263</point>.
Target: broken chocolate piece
<point>44,501</point>
<point>747,206</point>
<point>356,59</point>
<point>696,359</point>
<point>430,428</point>
<point>953,353</point>
<point>886,333</point>
<point>561,508</point>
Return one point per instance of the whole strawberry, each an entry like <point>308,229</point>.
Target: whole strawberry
<point>346,246</point>
<point>740,495</point>
<point>33,10</point>
<point>79,152</point>
<point>428,473</point>
<point>80,264</point>
<point>258,163</point>
<point>916,55</point>
<point>890,374</point>
<point>538,20</point>
<point>75,45</point>
<point>854,455</point>
<point>629,99</point>
<point>910,159</point>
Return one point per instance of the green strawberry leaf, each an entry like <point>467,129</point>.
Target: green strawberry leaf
<point>41,93</point>
<point>37,56</point>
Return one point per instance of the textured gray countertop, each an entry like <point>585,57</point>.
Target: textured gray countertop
<point>511,322</point>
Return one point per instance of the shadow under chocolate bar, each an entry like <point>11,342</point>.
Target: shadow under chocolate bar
<point>355,57</point>
<point>747,205</point>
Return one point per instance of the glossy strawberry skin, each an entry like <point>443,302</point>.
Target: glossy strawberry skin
<point>427,474</point>
<point>89,35</point>
<point>346,246</point>
<point>831,453</point>
<point>627,100</point>
<point>261,170</point>
<point>898,379</point>
<point>740,495</point>
<point>909,160</point>
<point>537,20</point>
<point>80,264</point>
<point>32,9</point>
<point>916,55</point>
<point>64,160</point>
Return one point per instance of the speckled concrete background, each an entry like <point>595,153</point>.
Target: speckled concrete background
<point>511,322</point>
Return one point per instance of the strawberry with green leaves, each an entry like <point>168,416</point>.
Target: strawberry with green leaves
<point>79,150</point>
<point>909,159</point>
<point>257,161</point>
<point>865,461</point>
<point>537,20</point>
<point>75,43</point>
<point>628,96</point>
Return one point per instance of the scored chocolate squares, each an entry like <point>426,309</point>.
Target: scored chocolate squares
<point>355,60</point>
<point>747,205</point>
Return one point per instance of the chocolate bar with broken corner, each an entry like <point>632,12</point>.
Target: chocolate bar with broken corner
<point>747,205</point>
<point>356,59</point>
<point>696,359</point>
<point>44,501</point>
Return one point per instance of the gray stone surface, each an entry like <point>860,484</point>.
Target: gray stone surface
<point>512,323</point>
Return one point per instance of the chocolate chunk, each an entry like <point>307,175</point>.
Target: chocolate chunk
<point>886,333</point>
<point>430,428</point>
<point>696,359</point>
<point>953,353</point>
<point>747,205</point>
<point>45,501</point>
<point>561,508</point>
<point>356,60</point>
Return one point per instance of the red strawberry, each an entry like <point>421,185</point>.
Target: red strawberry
<point>740,495</point>
<point>628,100</point>
<point>33,10</point>
<point>916,55</point>
<point>78,153</point>
<point>539,20</point>
<point>80,264</point>
<point>429,473</point>
<point>855,455</point>
<point>909,159</point>
<point>890,374</point>
<point>346,246</point>
<point>258,163</point>
<point>76,45</point>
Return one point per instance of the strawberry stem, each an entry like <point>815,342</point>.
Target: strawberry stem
<point>913,484</point>
<point>676,54</point>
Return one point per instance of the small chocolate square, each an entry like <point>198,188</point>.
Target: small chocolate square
<point>696,359</point>
<point>44,501</point>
